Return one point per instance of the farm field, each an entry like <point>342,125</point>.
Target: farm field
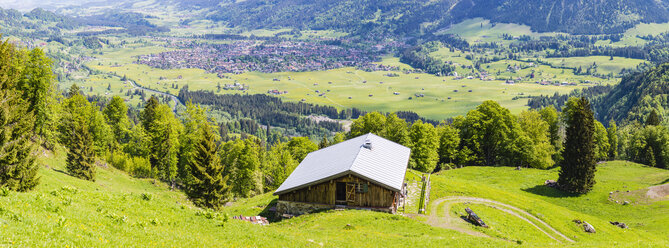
<point>444,97</point>
<point>477,30</point>
<point>117,210</point>
<point>604,64</point>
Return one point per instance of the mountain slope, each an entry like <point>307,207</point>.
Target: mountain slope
<point>415,16</point>
<point>636,96</point>
<point>121,211</point>
<point>118,210</point>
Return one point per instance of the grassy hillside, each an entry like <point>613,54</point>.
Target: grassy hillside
<point>117,210</point>
<point>524,189</point>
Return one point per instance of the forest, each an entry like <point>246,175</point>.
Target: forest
<point>408,17</point>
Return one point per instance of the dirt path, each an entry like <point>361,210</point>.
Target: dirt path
<point>460,225</point>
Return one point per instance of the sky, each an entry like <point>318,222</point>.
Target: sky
<point>27,5</point>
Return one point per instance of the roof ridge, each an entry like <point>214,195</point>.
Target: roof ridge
<point>357,155</point>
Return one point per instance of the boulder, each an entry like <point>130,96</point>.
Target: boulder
<point>588,228</point>
<point>551,183</point>
<point>618,224</point>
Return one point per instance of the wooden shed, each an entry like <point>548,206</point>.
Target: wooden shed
<point>366,172</point>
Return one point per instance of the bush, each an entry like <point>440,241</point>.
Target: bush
<point>141,167</point>
<point>136,166</point>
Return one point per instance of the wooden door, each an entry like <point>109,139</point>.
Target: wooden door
<point>340,194</point>
<point>350,192</point>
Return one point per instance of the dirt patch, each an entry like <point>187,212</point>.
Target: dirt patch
<point>641,196</point>
<point>660,192</point>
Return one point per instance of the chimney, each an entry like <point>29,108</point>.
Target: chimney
<point>368,144</point>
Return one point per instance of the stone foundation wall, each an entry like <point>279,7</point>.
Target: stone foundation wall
<point>300,208</point>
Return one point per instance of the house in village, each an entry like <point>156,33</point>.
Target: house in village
<point>366,172</point>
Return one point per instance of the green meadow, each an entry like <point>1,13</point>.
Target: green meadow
<point>118,210</point>
<point>524,189</point>
<point>604,63</point>
<point>478,30</point>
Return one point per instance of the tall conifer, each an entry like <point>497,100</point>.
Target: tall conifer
<point>653,119</point>
<point>18,169</point>
<point>577,173</point>
<point>81,155</point>
<point>207,187</point>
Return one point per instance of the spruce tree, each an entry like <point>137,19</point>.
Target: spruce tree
<point>207,187</point>
<point>74,90</point>
<point>613,140</point>
<point>653,119</point>
<point>81,153</point>
<point>18,169</point>
<point>324,142</point>
<point>37,86</point>
<point>577,173</point>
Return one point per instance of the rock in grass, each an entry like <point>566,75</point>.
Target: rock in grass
<point>588,228</point>
<point>619,224</point>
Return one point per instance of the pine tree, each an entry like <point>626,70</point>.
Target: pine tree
<point>324,142</point>
<point>37,86</point>
<point>653,119</point>
<point>207,187</point>
<point>613,140</point>
<point>577,173</point>
<point>81,156</point>
<point>18,167</point>
<point>148,115</point>
<point>74,90</point>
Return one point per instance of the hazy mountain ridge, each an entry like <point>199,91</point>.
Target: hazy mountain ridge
<point>416,16</point>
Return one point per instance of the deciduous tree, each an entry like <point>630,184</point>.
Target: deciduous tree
<point>424,142</point>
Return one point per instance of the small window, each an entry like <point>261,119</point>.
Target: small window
<point>361,188</point>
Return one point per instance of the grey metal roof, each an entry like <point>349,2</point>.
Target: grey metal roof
<point>385,164</point>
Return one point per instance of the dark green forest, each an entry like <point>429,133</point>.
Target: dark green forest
<point>408,17</point>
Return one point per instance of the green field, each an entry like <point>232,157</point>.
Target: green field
<point>478,30</point>
<point>604,64</point>
<point>340,84</point>
<point>118,210</point>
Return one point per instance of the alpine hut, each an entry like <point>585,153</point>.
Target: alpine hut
<point>366,172</point>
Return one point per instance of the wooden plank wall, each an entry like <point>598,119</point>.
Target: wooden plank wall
<point>325,193</point>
